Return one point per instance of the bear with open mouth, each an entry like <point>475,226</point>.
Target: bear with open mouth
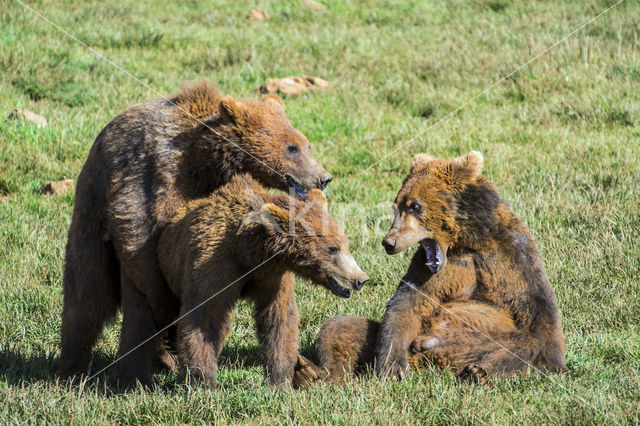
<point>476,297</point>
<point>242,242</point>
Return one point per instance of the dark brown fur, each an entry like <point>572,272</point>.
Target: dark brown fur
<point>241,243</point>
<point>145,164</point>
<point>492,278</point>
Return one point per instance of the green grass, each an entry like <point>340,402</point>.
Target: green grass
<point>561,140</point>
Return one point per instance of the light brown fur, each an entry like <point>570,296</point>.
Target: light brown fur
<point>241,242</point>
<point>490,268</point>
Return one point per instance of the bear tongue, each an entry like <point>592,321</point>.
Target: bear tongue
<point>434,254</point>
<point>298,188</point>
<point>337,289</point>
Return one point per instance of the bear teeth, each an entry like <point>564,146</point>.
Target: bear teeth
<point>433,253</point>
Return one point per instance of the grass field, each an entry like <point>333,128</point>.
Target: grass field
<point>561,139</point>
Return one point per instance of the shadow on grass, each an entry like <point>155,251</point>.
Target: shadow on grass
<point>18,369</point>
<point>242,356</point>
<point>247,357</point>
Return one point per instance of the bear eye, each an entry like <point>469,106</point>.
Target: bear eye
<point>414,207</point>
<point>332,249</point>
<point>293,149</point>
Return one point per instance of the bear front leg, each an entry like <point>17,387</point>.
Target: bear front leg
<point>277,320</point>
<point>419,295</point>
<point>400,326</point>
<point>202,334</point>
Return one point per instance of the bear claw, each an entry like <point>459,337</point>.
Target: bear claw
<point>306,373</point>
<point>395,370</point>
<point>474,373</point>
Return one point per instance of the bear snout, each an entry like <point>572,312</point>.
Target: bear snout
<point>324,180</point>
<point>389,245</point>
<point>361,281</point>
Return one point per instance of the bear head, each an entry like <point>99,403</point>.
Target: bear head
<point>277,154</point>
<point>310,241</point>
<point>428,208</point>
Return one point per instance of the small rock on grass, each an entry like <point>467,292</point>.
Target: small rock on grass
<point>258,15</point>
<point>26,115</point>
<point>293,85</point>
<point>313,4</point>
<point>58,188</point>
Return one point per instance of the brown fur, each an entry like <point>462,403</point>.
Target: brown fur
<point>145,164</point>
<point>244,243</point>
<point>492,272</point>
<point>347,344</point>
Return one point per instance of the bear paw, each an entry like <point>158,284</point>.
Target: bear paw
<point>307,373</point>
<point>475,374</point>
<point>396,369</point>
<point>424,344</point>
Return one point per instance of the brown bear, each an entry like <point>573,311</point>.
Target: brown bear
<point>244,243</point>
<point>476,296</point>
<point>145,164</point>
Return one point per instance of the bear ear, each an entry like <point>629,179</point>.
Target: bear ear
<point>230,110</point>
<point>270,216</point>
<point>275,216</point>
<point>274,101</point>
<point>420,162</point>
<point>468,167</point>
<point>319,200</point>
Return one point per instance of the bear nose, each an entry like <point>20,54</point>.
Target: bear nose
<point>324,181</point>
<point>360,281</point>
<point>389,245</point>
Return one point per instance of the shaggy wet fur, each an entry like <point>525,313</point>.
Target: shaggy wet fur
<point>147,163</point>
<point>489,310</point>
<point>244,243</point>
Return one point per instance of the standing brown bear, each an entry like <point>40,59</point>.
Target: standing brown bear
<point>475,298</point>
<point>145,164</point>
<point>242,243</point>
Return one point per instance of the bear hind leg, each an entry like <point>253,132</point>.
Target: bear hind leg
<point>477,340</point>
<point>510,353</point>
<point>91,298</point>
<point>138,340</point>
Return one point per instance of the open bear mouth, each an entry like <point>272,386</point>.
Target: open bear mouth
<point>435,256</point>
<point>295,185</point>
<point>337,289</point>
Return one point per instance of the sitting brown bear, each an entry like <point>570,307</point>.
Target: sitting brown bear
<point>144,165</point>
<point>240,243</point>
<point>475,298</point>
